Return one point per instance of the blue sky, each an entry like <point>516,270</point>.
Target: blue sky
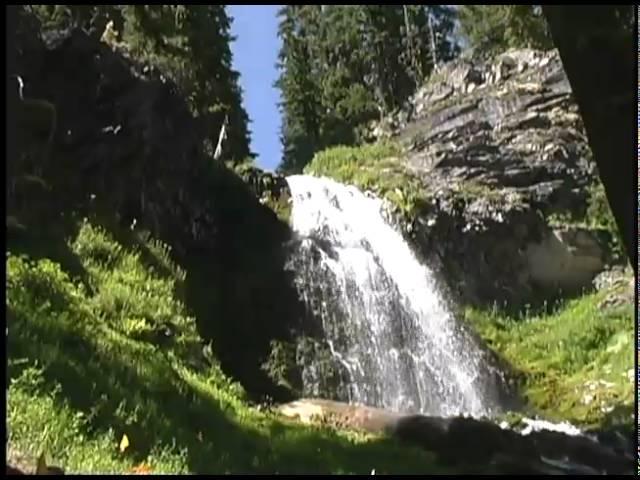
<point>255,53</point>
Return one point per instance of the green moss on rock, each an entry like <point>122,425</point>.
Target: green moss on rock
<point>271,189</point>
<point>376,167</point>
<point>381,169</point>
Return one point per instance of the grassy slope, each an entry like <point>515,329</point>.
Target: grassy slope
<point>373,167</point>
<point>111,351</point>
<point>577,361</point>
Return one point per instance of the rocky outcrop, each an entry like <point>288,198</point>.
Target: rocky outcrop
<point>620,284</point>
<point>509,123</point>
<point>19,464</point>
<point>127,152</point>
<point>566,259</point>
<point>271,189</point>
<point>341,415</point>
<point>264,183</point>
<point>499,147</point>
<point>480,445</point>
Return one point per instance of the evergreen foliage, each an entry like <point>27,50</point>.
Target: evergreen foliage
<point>342,66</point>
<point>188,43</point>
<point>491,28</point>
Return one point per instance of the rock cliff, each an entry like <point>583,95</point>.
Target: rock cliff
<point>499,150</point>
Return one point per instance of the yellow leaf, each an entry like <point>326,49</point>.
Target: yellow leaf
<point>124,443</point>
<point>142,469</point>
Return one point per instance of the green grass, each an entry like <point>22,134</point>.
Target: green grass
<point>379,168</point>
<point>110,351</point>
<point>41,421</point>
<point>344,161</point>
<point>577,361</point>
<point>374,167</point>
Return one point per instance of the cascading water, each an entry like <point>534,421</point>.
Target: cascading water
<point>382,317</point>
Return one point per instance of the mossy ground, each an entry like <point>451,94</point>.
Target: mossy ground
<point>110,350</point>
<point>577,361</point>
<point>376,168</point>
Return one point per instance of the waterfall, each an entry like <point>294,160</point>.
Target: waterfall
<point>382,316</point>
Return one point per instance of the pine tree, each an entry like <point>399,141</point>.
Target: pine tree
<point>346,98</point>
<point>217,93</point>
<point>443,18</point>
<point>153,34</point>
<point>345,65</point>
<point>301,96</point>
<point>390,80</point>
<point>192,45</point>
<point>91,18</point>
<point>492,28</point>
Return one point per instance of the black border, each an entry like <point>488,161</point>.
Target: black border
<point>637,227</point>
<point>10,64</point>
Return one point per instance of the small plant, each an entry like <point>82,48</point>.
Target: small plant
<point>243,166</point>
<point>599,216</point>
<point>281,364</point>
<point>281,205</point>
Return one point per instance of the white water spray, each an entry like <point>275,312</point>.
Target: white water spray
<point>383,318</point>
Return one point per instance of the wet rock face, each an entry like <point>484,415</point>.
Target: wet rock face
<point>499,146</point>
<point>519,130</point>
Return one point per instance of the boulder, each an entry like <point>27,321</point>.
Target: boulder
<point>340,414</point>
<point>565,260</point>
<point>476,445</point>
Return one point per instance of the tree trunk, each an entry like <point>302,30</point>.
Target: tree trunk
<point>597,52</point>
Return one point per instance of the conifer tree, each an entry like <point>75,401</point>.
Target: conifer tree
<point>301,97</point>
<point>191,43</point>
<point>342,66</point>
<point>491,28</point>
